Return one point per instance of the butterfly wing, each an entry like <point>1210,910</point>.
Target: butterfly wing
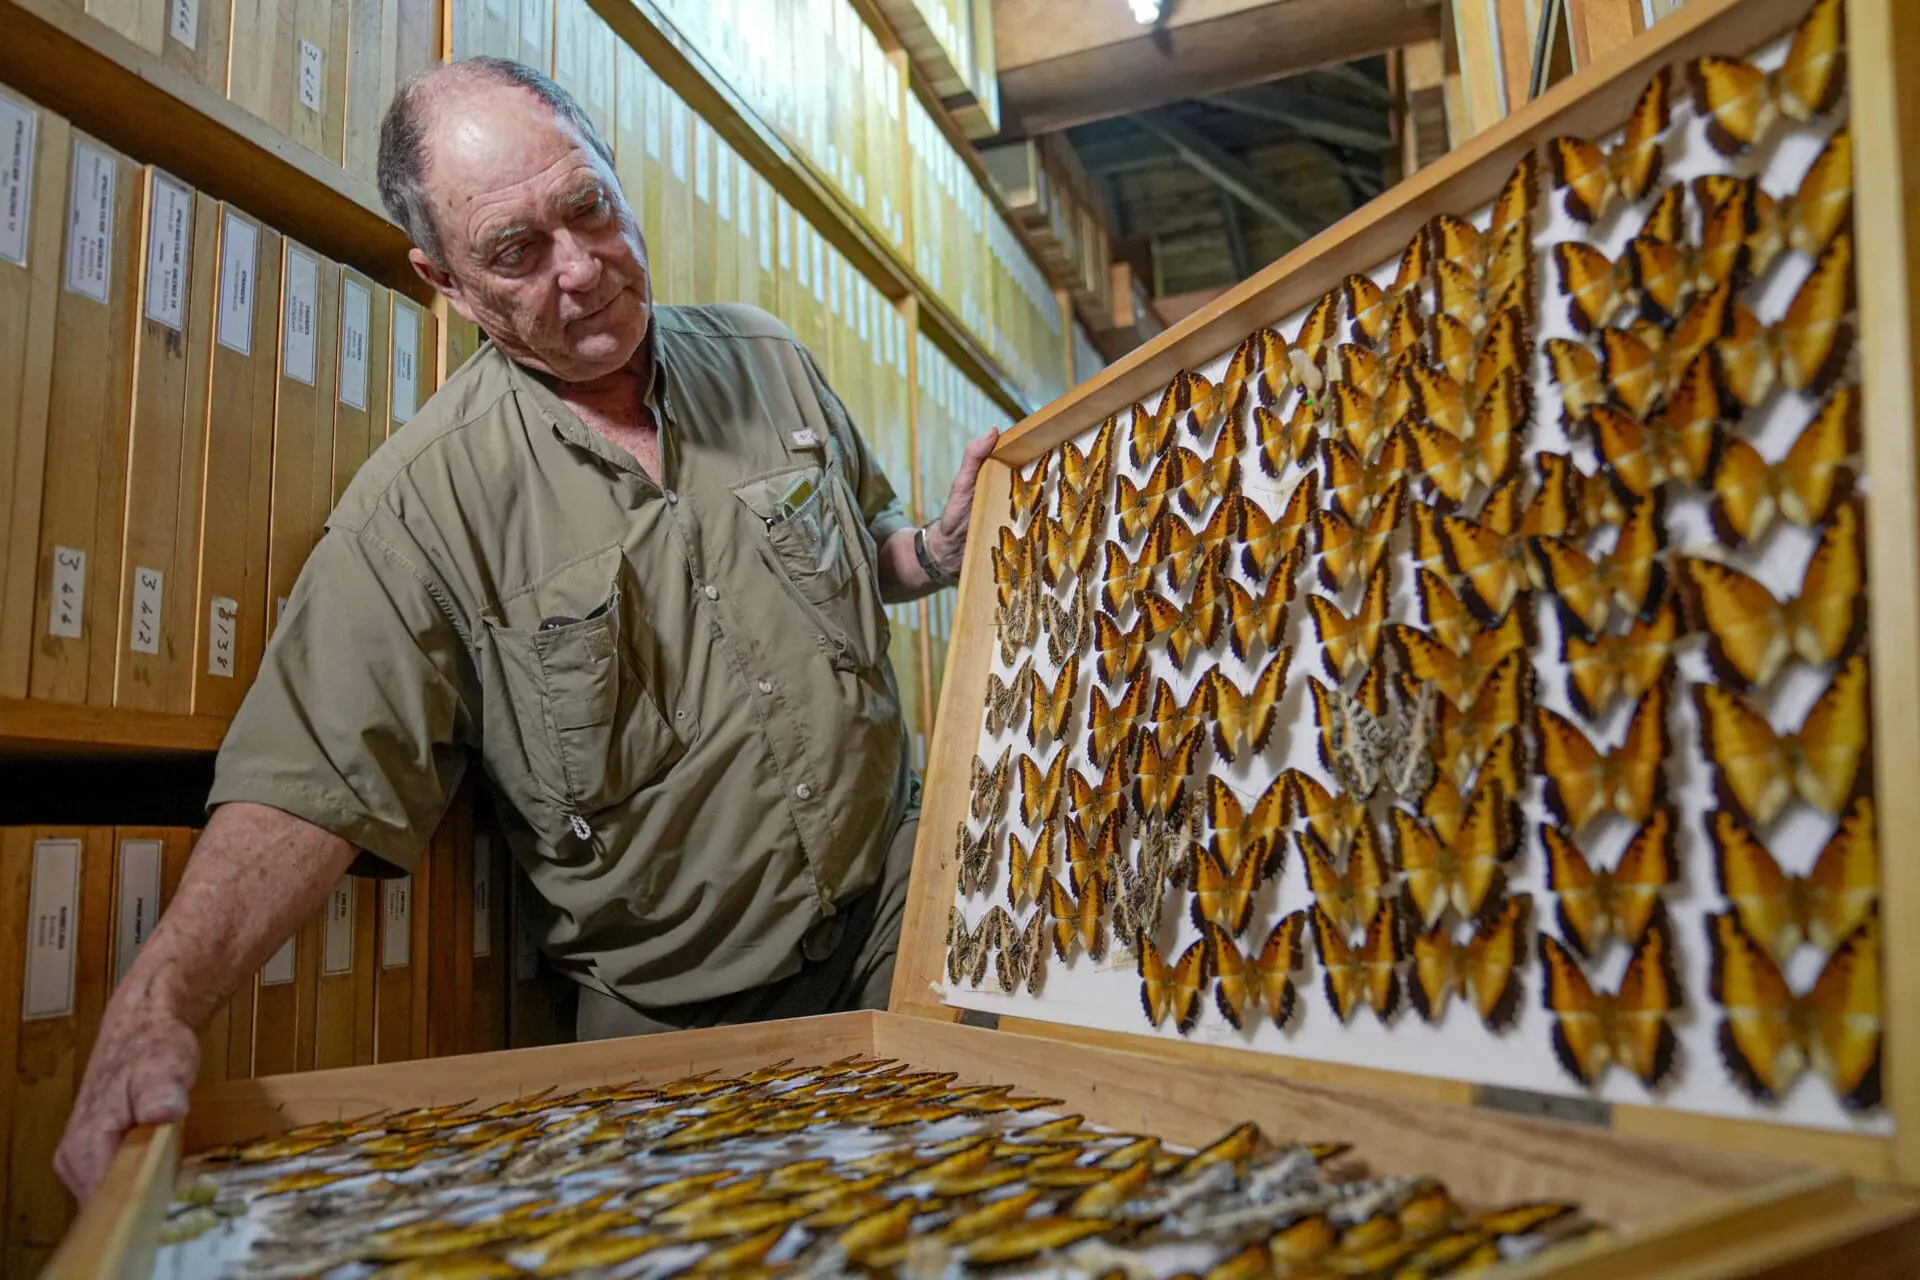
<point>1832,740</point>
<point>1580,1031</point>
<point>1845,881</point>
<point>1761,895</point>
<point>1280,959</point>
<point>1846,1012</point>
<point>1492,964</point>
<point>1757,1039</point>
<point>1340,966</point>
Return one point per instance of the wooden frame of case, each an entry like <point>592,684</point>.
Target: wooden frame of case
<point>1739,1198</point>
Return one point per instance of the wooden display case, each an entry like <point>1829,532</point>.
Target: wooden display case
<point>1685,1194</point>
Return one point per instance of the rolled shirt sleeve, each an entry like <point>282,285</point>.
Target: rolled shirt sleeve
<point>356,718</point>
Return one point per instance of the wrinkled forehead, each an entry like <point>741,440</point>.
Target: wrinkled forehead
<point>491,137</point>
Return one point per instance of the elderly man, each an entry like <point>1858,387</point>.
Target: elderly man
<point>632,559</point>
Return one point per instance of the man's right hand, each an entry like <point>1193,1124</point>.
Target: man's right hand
<point>142,1066</point>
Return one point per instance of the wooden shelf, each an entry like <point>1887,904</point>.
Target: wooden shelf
<point>40,730</point>
<point>682,67</point>
<point>133,101</point>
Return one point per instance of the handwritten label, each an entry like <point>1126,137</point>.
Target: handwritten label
<point>183,22</point>
<point>786,237</point>
<point>336,951</point>
<point>53,929</point>
<point>764,195</point>
<point>18,129</point>
<point>396,923</point>
<point>278,970</point>
<point>650,114</point>
<point>833,287</point>
<point>723,184</point>
<point>743,193</point>
<point>702,165</point>
<point>313,75</point>
<point>90,222</point>
<point>143,629</point>
<point>405,397</point>
<point>482,897</point>
<point>526,945</point>
<point>819,266</point>
<point>139,879</point>
<point>239,242</point>
<point>299,338</point>
<point>169,237</point>
<point>677,136</point>
<point>356,326</point>
<point>223,616</point>
<point>804,273</point>
<point>69,604</point>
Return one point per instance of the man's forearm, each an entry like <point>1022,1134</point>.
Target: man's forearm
<point>901,577</point>
<point>254,877</point>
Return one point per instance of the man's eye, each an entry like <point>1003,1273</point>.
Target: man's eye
<point>594,209</point>
<point>511,257</point>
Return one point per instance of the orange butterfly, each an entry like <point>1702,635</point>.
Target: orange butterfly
<point>1027,867</point>
<point>1806,221</point>
<point>1631,576</point>
<point>1623,666</point>
<point>1190,550</point>
<point>1769,1036</point>
<point>1124,578</point>
<point>1415,264</point>
<point>1369,973</point>
<point>1594,177</point>
<point>1642,363</point>
<point>1143,507</point>
<point>1445,809</point>
<point>1236,829</point>
<point>1468,738</point>
<point>1488,561</point>
<point>1577,371</point>
<point>1110,725</point>
<point>1802,488</point>
<point>1260,359</point>
<point>1225,897</point>
<point>1476,443</point>
<point>1098,859</point>
<point>1040,793</point>
<point>1150,434</point>
<point>1599,289</point>
<point>1808,348</point>
<point>1173,990</point>
<point>1081,918</point>
<point>1282,444</point>
<point>1217,475</point>
<point>1667,219</point>
<point>1681,443</point>
<point>1442,612</point>
<point>1346,898</point>
<point>1262,617</point>
<point>1467,872</point>
<point>1070,545</point>
<point>1243,721</point>
<point>1171,719</point>
<point>1357,486</point>
<point>1336,820</point>
<point>1092,804</point>
<point>1349,643</point>
<point>1007,702</point>
<point>1630,780</point>
<point>1012,563</point>
<point>1192,626</point>
<point>1120,652</point>
<point>1195,399</point>
<point>1027,491</point>
<point>1405,331</point>
<point>1350,554</point>
<point>1160,778</point>
<point>1459,676</point>
<point>1742,103</point>
<point>1475,361</point>
<point>1476,276</point>
<point>1594,1030</point>
<point>1366,304</point>
<point>1780,910</point>
<point>1761,771</point>
<point>1365,420</point>
<point>1752,635</point>
<point>1320,329</point>
<point>1486,970</point>
<point>1052,704</point>
<point>1270,541</point>
<point>1622,903</point>
<point>1265,982</point>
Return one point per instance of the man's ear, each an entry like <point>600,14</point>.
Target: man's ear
<point>442,282</point>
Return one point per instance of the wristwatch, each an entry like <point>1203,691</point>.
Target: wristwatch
<point>935,574</point>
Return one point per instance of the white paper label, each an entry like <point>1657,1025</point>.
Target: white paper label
<point>406,364</point>
<point>786,237</point>
<point>183,22</point>
<point>143,628</point>
<point>396,929</point>
<point>223,615</point>
<point>356,325</point>
<point>702,166</point>
<point>650,115</point>
<point>804,273</point>
<point>482,897</point>
<point>723,185</point>
<point>526,947</point>
<point>53,929</point>
<point>535,24</point>
<point>765,195</point>
<point>819,268</point>
<point>336,953</point>
<point>169,241</point>
<point>18,128</point>
<point>90,223</point>
<point>497,9</point>
<point>677,137</point>
<point>239,242</point>
<point>833,287</point>
<point>743,200</point>
<point>278,970</point>
<point>69,604</point>
<point>139,877</point>
<point>299,339</point>
<point>313,76</point>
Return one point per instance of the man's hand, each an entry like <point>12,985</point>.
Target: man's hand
<point>142,1065</point>
<point>947,536</point>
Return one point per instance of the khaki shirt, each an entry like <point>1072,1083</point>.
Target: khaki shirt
<point>687,710</point>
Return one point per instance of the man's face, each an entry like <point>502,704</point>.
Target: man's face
<point>542,250</point>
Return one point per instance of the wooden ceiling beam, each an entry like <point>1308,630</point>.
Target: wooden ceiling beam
<point>1067,64</point>
<point>1322,119</point>
<point>1230,174</point>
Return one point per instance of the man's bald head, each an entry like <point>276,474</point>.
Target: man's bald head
<point>426,98</point>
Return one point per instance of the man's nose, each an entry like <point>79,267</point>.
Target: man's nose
<point>579,268</point>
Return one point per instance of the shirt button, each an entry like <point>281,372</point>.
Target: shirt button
<point>766,686</point>
<point>713,592</point>
<point>672,497</point>
<point>804,791</point>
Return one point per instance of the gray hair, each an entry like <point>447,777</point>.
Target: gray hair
<point>402,165</point>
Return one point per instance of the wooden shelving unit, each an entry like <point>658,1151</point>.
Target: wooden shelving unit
<point>39,730</point>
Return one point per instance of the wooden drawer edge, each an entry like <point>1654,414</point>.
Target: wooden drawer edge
<point>118,1232</point>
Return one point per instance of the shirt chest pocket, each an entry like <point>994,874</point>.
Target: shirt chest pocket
<point>803,512</point>
<point>571,726</point>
